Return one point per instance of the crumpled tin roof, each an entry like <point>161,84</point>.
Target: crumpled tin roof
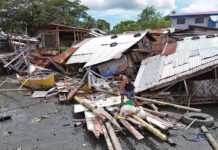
<point>191,56</point>
<point>99,49</point>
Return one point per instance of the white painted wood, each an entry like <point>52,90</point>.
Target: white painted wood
<point>100,103</point>
<point>39,94</point>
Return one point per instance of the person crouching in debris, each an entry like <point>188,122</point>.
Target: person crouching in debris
<point>127,89</point>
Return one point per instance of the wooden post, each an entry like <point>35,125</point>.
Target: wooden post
<point>210,138</point>
<point>113,137</point>
<point>215,70</point>
<point>58,39</point>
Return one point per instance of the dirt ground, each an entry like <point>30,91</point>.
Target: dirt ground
<point>56,131</point>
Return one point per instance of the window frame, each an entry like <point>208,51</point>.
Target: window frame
<point>198,20</point>
<point>181,20</point>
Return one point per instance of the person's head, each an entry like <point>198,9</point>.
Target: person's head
<point>117,76</point>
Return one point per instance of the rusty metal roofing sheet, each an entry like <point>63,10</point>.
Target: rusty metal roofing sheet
<point>63,56</point>
<point>191,56</point>
<point>170,48</point>
<point>99,49</point>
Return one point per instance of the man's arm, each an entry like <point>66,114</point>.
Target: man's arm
<point>124,82</point>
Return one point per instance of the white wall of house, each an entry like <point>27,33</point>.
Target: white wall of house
<point>189,21</point>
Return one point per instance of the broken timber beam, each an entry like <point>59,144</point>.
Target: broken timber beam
<point>113,137</point>
<point>57,66</point>
<point>131,129</point>
<point>100,112</point>
<point>106,136</point>
<point>158,102</point>
<point>161,114</point>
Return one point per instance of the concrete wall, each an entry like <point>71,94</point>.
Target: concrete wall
<point>189,21</point>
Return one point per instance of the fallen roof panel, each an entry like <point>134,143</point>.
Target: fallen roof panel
<point>191,56</point>
<point>101,49</point>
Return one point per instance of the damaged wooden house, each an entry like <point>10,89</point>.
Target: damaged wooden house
<point>6,51</point>
<point>114,53</point>
<point>185,72</point>
<point>57,38</point>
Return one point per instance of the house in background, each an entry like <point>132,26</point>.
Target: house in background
<point>55,37</point>
<point>181,21</point>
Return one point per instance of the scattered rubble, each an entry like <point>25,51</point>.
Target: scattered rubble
<point>93,91</point>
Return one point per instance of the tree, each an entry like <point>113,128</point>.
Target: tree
<point>103,25</point>
<point>88,22</point>
<point>124,26</point>
<point>16,15</point>
<point>148,18</point>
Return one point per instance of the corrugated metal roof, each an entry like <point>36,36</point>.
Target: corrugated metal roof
<point>191,56</point>
<point>208,13</point>
<point>98,50</point>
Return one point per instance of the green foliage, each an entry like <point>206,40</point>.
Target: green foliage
<point>17,15</point>
<point>102,25</point>
<point>149,18</point>
<point>124,26</point>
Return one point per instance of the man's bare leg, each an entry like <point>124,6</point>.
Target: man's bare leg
<point>122,99</point>
<point>136,102</point>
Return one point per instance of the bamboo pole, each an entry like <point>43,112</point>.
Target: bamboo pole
<point>151,128</point>
<point>190,124</point>
<point>158,102</point>
<point>210,138</point>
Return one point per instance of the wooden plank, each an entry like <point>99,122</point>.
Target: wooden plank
<point>106,136</point>
<point>62,97</point>
<point>39,94</point>
<point>93,124</point>
<point>131,129</point>
<point>100,112</point>
<point>8,90</point>
<point>97,127</point>
<point>111,101</point>
<point>113,137</point>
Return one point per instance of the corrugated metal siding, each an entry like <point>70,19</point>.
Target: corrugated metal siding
<point>191,56</point>
<point>101,51</point>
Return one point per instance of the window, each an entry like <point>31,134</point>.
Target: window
<point>180,20</point>
<point>199,20</point>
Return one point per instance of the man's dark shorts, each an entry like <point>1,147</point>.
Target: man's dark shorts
<point>129,94</point>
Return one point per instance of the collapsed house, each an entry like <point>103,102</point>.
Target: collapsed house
<point>114,53</point>
<point>6,50</point>
<point>19,42</point>
<point>187,69</point>
<point>5,43</point>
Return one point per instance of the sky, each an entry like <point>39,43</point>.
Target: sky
<point>114,11</point>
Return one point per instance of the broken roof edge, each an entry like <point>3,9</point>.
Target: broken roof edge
<point>75,57</point>
<point>47,27</point>
<point>158,84</point>
<point>120,54</point>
